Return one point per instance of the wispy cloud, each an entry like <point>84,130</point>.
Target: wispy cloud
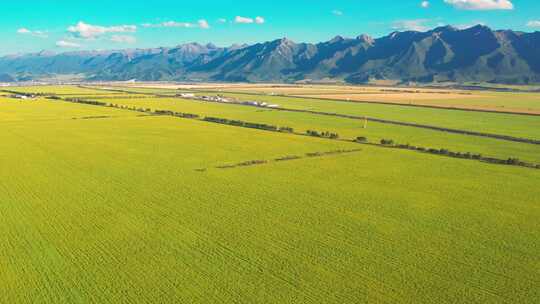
<point>248,20</point>
<point>481,4</point>
<point>425,4</point>
<point>89,31</point>
<point>39,34</point>
<point>123,39</point>
<point>199,24</point>
<point>244,20</point>
<point>337,13</point>
<point>67,44</point>
<point>534,23</point>
<point>203,24</point>
<point>411,25</point>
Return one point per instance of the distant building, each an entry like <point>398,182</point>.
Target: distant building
<point>21,96</point>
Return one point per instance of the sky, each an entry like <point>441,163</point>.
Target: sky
<point>67,25</point>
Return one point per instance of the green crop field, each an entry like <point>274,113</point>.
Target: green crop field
<point>516,101</point>
<point>498,123</point>
<point>14,110</point>
<point>346,128</point>
<point>105,204</point>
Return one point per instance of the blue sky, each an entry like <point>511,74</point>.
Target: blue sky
<point>61,25</point>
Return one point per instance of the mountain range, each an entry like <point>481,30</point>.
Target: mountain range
<point>476,54</point>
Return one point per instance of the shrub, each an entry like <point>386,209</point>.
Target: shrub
<point>361,139</point>
<point>512,161</point>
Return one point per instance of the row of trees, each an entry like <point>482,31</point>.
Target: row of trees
<point>361,139</point>
<point>341,151</point>
<point>463,132</point>
<point>464,155</point>
<point>285,158</point>
<point>84,101</point>
<point>243,164</point>
<point>387,142</point>
<point>177,114</point>
<point>232,122</point>
<point>324,134</point>
<point>252,125</point>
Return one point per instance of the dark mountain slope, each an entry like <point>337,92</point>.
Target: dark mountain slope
<point>442,54</point>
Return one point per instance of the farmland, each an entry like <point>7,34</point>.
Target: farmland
<point>107,204</point>
<point>347,128</point>
<point>513,102</point>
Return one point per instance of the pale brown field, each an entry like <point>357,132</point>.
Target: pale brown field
<point>524,103</point>
<point>398,97</point>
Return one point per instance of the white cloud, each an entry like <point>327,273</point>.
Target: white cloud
<point>481,4</point>
<point>88,31</point>
<point>203,24</point>
<point>222,20</point>
<point>123,39</point>
<point>337,12</point>
<point>410,25</point>
<point>244,20</point>
<point>247,20</point>
<point>25,31</point>
<point>67,44</point>
<point>533,23</point>
<point>200,24</point>
<point>425,4</point>
<point>176,24</point>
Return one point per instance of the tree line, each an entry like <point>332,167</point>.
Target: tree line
<point>285,158</point>
<point>513,161</point>
<point>324,134</point>
<point>245,124</point>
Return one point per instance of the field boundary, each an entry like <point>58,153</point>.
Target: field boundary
<point>250,163</point>
<point>386,121</point>
<point>310,133</point>
<point>409,124</point>
<point>379,120</point>
<point>372,102</point>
